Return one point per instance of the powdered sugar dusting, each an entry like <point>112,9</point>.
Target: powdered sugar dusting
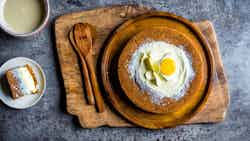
<point>174,87</point>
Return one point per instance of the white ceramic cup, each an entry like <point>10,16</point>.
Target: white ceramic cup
<point>10,31</point>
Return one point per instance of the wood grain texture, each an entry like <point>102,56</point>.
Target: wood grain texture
<point>214,111</point>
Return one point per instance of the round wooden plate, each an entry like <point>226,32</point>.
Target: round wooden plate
<point>142,99</point>
<point>109,69</point>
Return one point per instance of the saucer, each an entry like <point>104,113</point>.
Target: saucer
<point>27,100</point>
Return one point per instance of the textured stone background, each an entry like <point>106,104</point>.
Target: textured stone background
<point>48,119</point>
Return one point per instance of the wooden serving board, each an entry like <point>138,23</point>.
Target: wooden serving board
<point>105,20</point>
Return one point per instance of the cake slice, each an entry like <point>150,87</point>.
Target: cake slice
<point>22,81</point>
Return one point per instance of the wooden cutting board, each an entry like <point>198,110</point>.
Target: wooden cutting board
<point>105,21</point>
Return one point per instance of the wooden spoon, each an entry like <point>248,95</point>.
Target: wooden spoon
<point>83,34</point>
<point>89,91</point>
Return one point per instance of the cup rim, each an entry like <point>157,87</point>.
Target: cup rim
<point>36,30</point>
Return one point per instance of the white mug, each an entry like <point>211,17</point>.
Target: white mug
<point>8,30</point>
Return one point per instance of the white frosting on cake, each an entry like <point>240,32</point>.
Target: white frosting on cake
<point>146,69</point>
<point>25,80</point>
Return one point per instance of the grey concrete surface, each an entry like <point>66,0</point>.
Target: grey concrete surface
<point>48,119</point>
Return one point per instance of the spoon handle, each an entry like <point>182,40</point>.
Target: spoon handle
<point>90,95</point>
<point>95,85</point>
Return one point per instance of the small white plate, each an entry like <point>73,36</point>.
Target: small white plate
<point>27,100</point>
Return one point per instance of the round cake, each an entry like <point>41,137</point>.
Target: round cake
<point>159,68</point>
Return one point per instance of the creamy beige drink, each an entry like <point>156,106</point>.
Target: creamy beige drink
<point>23,16</point>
